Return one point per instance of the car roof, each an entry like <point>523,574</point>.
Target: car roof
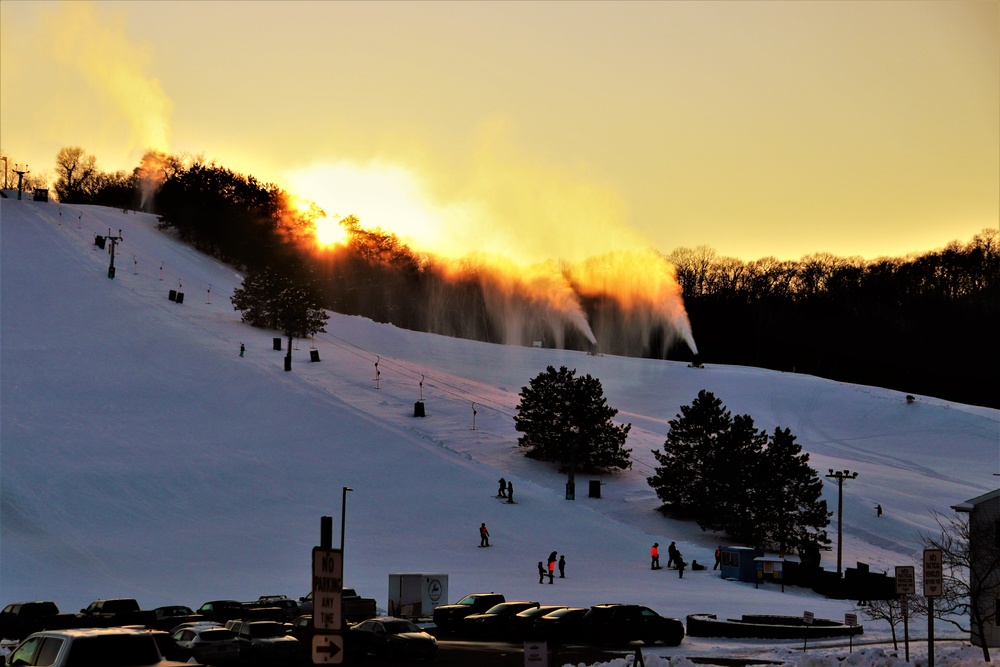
<point>89,632</point>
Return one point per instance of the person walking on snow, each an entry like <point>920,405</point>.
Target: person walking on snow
<point>562,567</point>
<point>484,536</point>
<point>502,493</point>
<point>654,553</point>
<point>243,348</point>
<point>680,565</point>
<point>672,555</point>
<point>718,557</point>
<point>552,567</point>
<point>510,491</point>
<point>541,572</point>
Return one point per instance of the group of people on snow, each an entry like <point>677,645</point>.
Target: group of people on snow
<point>550,570</point>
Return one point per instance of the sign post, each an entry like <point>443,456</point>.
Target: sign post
<point>328,622</point>
<point>807,619</point>
<point>906,585</point>
<point>850,620</point>
<point>933,588</point>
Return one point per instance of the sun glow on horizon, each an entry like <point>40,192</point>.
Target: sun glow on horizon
<point>380,196</point>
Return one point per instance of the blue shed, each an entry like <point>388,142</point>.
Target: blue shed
<point>738,563</point>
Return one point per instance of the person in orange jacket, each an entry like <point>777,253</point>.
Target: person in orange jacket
<point>484,536</point>
<point>655,555</point>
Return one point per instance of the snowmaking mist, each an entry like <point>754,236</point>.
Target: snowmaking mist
<point>624,303</point>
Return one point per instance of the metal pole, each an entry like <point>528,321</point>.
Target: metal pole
<point>840,476</point>
<point>343,516</point>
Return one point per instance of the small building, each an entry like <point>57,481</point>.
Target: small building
<point>41,194</point>
<point>984,550</point>
<point>738,563</point>
<point>417,595</point>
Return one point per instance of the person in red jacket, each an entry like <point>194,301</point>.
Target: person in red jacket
<point>484,536</point>
<point>655,555</point>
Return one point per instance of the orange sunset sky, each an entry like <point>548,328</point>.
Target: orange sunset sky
<point>543,129</point>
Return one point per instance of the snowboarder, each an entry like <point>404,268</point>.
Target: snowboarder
<point>680,565</point>
<point>718,557</point>
<point>695,565</point>
<point>541,572</point>
<point>552,567</point>
<point>562,567</point>
<point>672,555</point>
<point>655,555</point>
<point>484,536</point>
<point>243,348</point>
<point>502,493</point>
<point>878,510</point>
<point>510,491</point>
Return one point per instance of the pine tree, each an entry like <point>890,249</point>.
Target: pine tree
<point>680,479</point>
<point>731,477</point>
<point>566,419</point>
<point>788,510</point>
<point>270,300</point>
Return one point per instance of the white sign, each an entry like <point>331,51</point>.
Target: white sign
<point>933,573</point>
<point>906,580</point>
<point>536,654</point>
<point>808,617</point>
<point>850,619</point>
<point>328,587</point>
<point>327,649</point>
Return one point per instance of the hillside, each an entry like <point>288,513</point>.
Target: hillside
<point>142,457</point>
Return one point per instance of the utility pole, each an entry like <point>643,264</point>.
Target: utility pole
<point>841,476</point>
<point>6,168</point>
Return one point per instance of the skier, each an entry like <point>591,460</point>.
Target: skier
<point>878,510</point>
<point>484,536</point>
<point>680,565</point>
<point>502,493</point>
<point>243,348</point>
<point>562,567</point>
<point>655,555</point>
<point>510,491</point>
<point>672,554</point>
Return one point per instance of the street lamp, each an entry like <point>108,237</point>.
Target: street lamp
<point>343,514</point>
<point>841,476</point>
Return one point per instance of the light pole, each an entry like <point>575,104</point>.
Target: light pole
<point>343,515</point>
<point>840,476</point>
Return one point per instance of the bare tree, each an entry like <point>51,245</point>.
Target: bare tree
<point>75,169</point>
<point>891,611</point>
<point>970,554</point>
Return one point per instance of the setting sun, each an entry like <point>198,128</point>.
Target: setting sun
<point>380,196</point>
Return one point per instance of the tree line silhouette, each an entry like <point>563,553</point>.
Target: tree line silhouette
<point>899,323</point>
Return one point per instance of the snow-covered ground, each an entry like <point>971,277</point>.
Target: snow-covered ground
<point>143,457</point>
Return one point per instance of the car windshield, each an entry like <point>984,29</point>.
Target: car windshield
<point>398,627</point>
<point>467,600</point>
<point>216,635</point>
<point>266,629</point>
<point>113,651</point>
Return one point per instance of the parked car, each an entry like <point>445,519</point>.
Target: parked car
<point>208,642</point>
<point>110,647</point>
<point>562,625</point>
<point>448,617</point>
<point>266,643</point>
<point>521,626</point>
<point>393,639</point>
<point>167,618</point>
<point>494,621</point>
<point>624,623</point>
<point>289,609</point>
<point>221,611</point>
<point>20,619</point>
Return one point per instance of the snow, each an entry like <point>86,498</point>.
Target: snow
<point>143,457</point>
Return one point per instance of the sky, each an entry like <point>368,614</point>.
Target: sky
<point>141,456</point>
<point>546,129</point>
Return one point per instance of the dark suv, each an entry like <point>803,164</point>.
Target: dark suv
<point>449,617</point>
<point>624,623</point>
